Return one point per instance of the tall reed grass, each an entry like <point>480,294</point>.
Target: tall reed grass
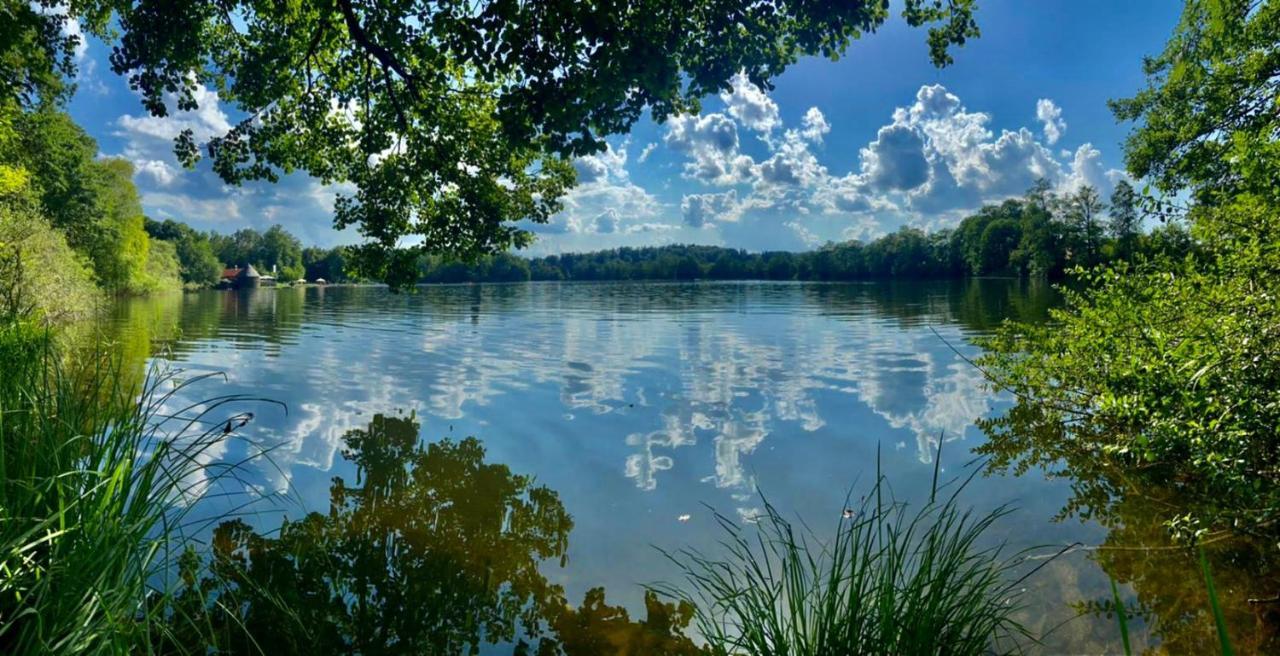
<point>893,580</point>
<point>95,479</point>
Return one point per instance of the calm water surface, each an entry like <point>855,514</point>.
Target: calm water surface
<point>639,404</point>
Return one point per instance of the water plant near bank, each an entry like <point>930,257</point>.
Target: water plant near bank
<point>95,479</point>
<point>893,580</point>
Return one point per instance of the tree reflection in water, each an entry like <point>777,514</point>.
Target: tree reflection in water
<point>1135,506</point>
<point>433,551</point>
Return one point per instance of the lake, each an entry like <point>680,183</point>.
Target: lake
<point>643,406</point>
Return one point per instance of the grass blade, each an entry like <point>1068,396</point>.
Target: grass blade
<point>1121,618</point>
<point>1223,639</point>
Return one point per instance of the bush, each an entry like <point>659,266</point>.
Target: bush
<point>41,277</point>
<point>164,272</point>
<point>1163,377</point>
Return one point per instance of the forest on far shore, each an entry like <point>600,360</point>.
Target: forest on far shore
<point>81,223</point>
<point>1042,234</point>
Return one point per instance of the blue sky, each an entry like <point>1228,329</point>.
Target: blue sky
<point>837,150</point>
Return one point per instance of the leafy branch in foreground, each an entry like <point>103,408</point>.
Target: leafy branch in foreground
<point>894,580</point>
<point>452,121</point>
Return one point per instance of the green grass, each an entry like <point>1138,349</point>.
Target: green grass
<point>94,485</point>
<point>892,580</point>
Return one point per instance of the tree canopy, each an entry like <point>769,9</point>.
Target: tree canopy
<point>75,209</point>
<point>1167,371</point>
<point>1208,119</point>
<point>453,121</point>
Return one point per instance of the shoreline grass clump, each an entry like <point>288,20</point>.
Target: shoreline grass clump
<point>893,580</point>
<point>95,478</point>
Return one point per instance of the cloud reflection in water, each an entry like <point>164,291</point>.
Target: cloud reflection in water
<point>703,377</point>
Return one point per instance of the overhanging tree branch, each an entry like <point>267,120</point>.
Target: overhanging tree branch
<point>383,56</point>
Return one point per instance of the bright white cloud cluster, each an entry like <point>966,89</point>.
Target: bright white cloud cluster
<point>149,139</point>
<point>750,105</point>
<point>1051,116</point>
<point>814,126</point>
<point>895,161</point>
<point>601,166</point>
<point>700,210</point>
<point>606,201</point>
<point>934,161</point>
<point>711,143</point>
<point>206,121</point>
<point>967,163</point>
<point>1087,168</point>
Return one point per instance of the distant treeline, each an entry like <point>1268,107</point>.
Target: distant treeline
<point>72,221</point>
<point>1040,235</point>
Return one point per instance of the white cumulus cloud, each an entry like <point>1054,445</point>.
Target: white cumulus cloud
<point>750,105</point>
<point>711,142</point>
<point>605,201</point>
<point>814,125</point>
<point>1050,115</point>
<point>896,159</point>
<point>699,210</point>
<point>933,162</point>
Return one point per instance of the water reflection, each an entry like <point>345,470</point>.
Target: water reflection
<point>1164,577</point>
<point>433,550</point>
<point>701,378</point>
<point>734,382</point>
<point>1170,596</point>
<point>636,402</point>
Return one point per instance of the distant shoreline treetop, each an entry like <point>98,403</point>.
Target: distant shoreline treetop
<point>1042,235</point>
<point>453,120</point>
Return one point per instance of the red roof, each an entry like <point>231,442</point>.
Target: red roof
<point>231,273</point>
